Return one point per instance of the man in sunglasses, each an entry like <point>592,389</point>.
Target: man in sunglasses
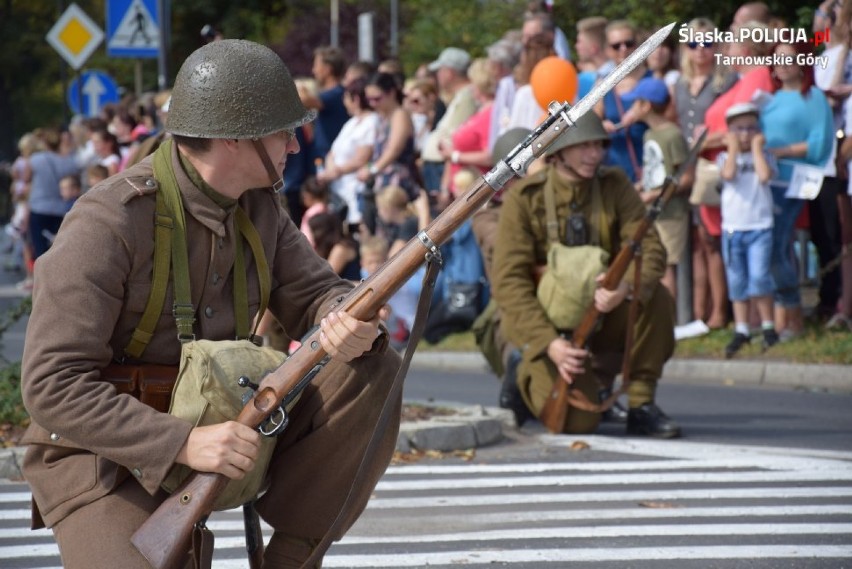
<point>626,148</point>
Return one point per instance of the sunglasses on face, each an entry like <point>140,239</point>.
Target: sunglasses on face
<point>629,44</point>
<point>696,45</point>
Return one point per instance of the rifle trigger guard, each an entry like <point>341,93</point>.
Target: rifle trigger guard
<point>433,252</point>
<point>275,423</point>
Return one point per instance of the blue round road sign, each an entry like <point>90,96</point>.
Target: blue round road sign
<point>90,91</point>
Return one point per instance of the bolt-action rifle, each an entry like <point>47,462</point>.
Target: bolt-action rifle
<point>555,409</point>
<point>165,536</point>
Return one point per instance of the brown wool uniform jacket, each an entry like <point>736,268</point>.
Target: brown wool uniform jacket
<point>92,287</point>
<point>522,246</point>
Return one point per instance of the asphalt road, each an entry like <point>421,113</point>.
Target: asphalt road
<point>800,418</point>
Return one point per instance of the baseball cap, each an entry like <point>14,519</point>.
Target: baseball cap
<point>741,109</point>
<point>452,57</point>
<point>648,89</point>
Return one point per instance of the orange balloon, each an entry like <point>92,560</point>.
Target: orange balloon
<point>553,79</point>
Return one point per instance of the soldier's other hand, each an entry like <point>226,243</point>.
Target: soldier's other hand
<point>345,338</point>
<point>606,300</point>
<point>229,448</point>
<point>569,360</point>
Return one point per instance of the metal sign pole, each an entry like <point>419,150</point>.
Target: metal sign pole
<point>164,8</point>
<point>138,78</point>
<point>80,92</point>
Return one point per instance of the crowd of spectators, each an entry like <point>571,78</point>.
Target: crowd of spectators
<point>388,152</point>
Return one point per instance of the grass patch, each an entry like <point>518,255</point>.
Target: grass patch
<point>816,346</point>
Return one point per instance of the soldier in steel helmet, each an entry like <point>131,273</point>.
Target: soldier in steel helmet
<point>97,458</point>
<point>603,202</point>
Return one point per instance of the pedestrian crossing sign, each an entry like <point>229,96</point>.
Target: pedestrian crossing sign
<point>75,36</point>
<point>133,28</point>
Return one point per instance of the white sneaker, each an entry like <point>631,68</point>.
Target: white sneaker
<point>839,322</point>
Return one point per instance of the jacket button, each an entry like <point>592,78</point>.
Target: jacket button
<point>54,437</point>
<point>208,312</point>
<point>150,183</point>
<point>137,473</point>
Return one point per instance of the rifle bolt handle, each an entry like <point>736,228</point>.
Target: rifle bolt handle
<point>244,381</point>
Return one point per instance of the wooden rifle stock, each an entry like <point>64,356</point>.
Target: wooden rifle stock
<point>164,544</point>
<point>555,409</point>
<point>164,538</point>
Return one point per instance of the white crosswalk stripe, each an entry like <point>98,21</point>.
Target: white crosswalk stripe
<point>662,501</point>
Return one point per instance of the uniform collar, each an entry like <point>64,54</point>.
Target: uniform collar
<point>200,200</point>
<point>575,193</point>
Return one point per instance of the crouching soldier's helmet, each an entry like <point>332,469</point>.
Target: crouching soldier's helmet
<point>588,128</point>
<point>234,89</point>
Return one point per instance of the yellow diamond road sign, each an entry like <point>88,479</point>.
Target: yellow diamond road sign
<point>75,36</point>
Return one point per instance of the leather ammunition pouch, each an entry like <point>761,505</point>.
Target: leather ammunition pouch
<point>151,384</point>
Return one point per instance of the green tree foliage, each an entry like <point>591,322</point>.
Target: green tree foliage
<point>471,25</point>
<point>33,78</point>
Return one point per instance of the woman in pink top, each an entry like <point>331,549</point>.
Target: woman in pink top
<point>469,143</point>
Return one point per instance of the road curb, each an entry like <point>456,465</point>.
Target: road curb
<point>468,427</point>
<point>757,373</point>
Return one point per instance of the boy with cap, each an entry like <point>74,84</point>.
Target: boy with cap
<point>746,167</point>
<point>664,150</point>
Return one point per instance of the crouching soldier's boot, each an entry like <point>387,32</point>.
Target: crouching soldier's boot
<point>510,394</point>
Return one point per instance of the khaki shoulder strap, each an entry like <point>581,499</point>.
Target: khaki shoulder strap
<point>550,212</point>
<point>247,230</point>
<point>163,227</point>
<point>604,240</point>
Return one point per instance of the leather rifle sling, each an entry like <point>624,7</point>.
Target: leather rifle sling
<point>429,279</point>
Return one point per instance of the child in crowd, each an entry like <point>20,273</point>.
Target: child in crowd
<point>746,168</point>
<point>70,188</point>
<point>397,221</point>
<point>403,304</point>
<point>21,179</point>
<point>664,150</point>
<point>96,173</point>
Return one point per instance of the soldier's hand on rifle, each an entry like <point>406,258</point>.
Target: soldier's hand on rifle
<point>345,338</point>
<point>568,359</point>
<point>607,300</point>
<point>226,448</point>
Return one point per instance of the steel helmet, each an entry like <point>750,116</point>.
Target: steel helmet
<point>507,142</point>
<point>234,89</point>
<point>587,128</point>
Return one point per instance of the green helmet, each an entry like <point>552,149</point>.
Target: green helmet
<point>587,128</point>
<point>234,89</point>
<point>506,142</point>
